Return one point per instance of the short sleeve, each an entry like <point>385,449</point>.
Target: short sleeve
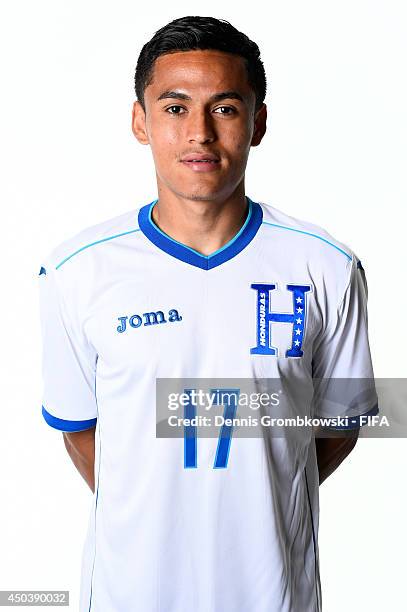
<point>342,366</point>
<point>68,360</point>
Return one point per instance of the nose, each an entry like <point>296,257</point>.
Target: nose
<point>200,128</point>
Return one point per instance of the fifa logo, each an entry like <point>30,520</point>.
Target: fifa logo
<point>265,318</point>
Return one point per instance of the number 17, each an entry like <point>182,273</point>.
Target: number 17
<point>229,401</point>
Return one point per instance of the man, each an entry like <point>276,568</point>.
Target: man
<point>202,283</point>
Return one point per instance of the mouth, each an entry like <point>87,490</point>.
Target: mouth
<point>201,163</point>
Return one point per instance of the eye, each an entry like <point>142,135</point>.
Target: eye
<point>175,109</point>
<point>229,110</point>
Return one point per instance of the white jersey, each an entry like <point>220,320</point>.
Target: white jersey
<point>181,523</point>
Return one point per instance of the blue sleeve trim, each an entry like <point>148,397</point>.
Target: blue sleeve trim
<point>64,425</point>
<point>354,422</point>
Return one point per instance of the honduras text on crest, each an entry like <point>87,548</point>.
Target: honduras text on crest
<point>147,318</point>
<point>267,317</point>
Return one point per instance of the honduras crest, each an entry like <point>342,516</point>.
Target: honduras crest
<point>267,318</point>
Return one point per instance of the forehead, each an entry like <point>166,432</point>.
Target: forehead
<point>203,69</point>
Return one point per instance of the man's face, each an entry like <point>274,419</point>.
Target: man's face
<point>199,105</point>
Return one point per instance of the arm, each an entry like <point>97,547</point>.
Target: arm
<point>81,448</point>
<point>341,354</point>
<point>332,451</point>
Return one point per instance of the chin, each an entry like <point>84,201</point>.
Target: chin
<point>202,194</point>
<point>204,197</point>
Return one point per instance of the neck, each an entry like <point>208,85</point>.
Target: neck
<point>202,225</point>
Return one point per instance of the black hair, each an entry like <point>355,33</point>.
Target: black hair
<point>192,33</point>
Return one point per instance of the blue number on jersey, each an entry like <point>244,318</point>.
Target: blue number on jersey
<point>229,401</point>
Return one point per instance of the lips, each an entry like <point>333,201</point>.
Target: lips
<point>201,162</point>
<point>201,157</point>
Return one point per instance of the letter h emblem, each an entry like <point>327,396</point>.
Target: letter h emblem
<point>264,319</point>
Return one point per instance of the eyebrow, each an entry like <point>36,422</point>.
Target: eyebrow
<point>223,95</point>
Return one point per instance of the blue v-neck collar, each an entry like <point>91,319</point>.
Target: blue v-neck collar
<point>164,242</point>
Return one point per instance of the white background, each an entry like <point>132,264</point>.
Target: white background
<point>335,154</point>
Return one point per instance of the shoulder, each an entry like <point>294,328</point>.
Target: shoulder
<point>90,238</point>
<point>303,235</point>
<point>329,261</point>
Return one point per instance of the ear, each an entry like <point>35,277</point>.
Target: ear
<point>138,123</point>
<point>260,125</point>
